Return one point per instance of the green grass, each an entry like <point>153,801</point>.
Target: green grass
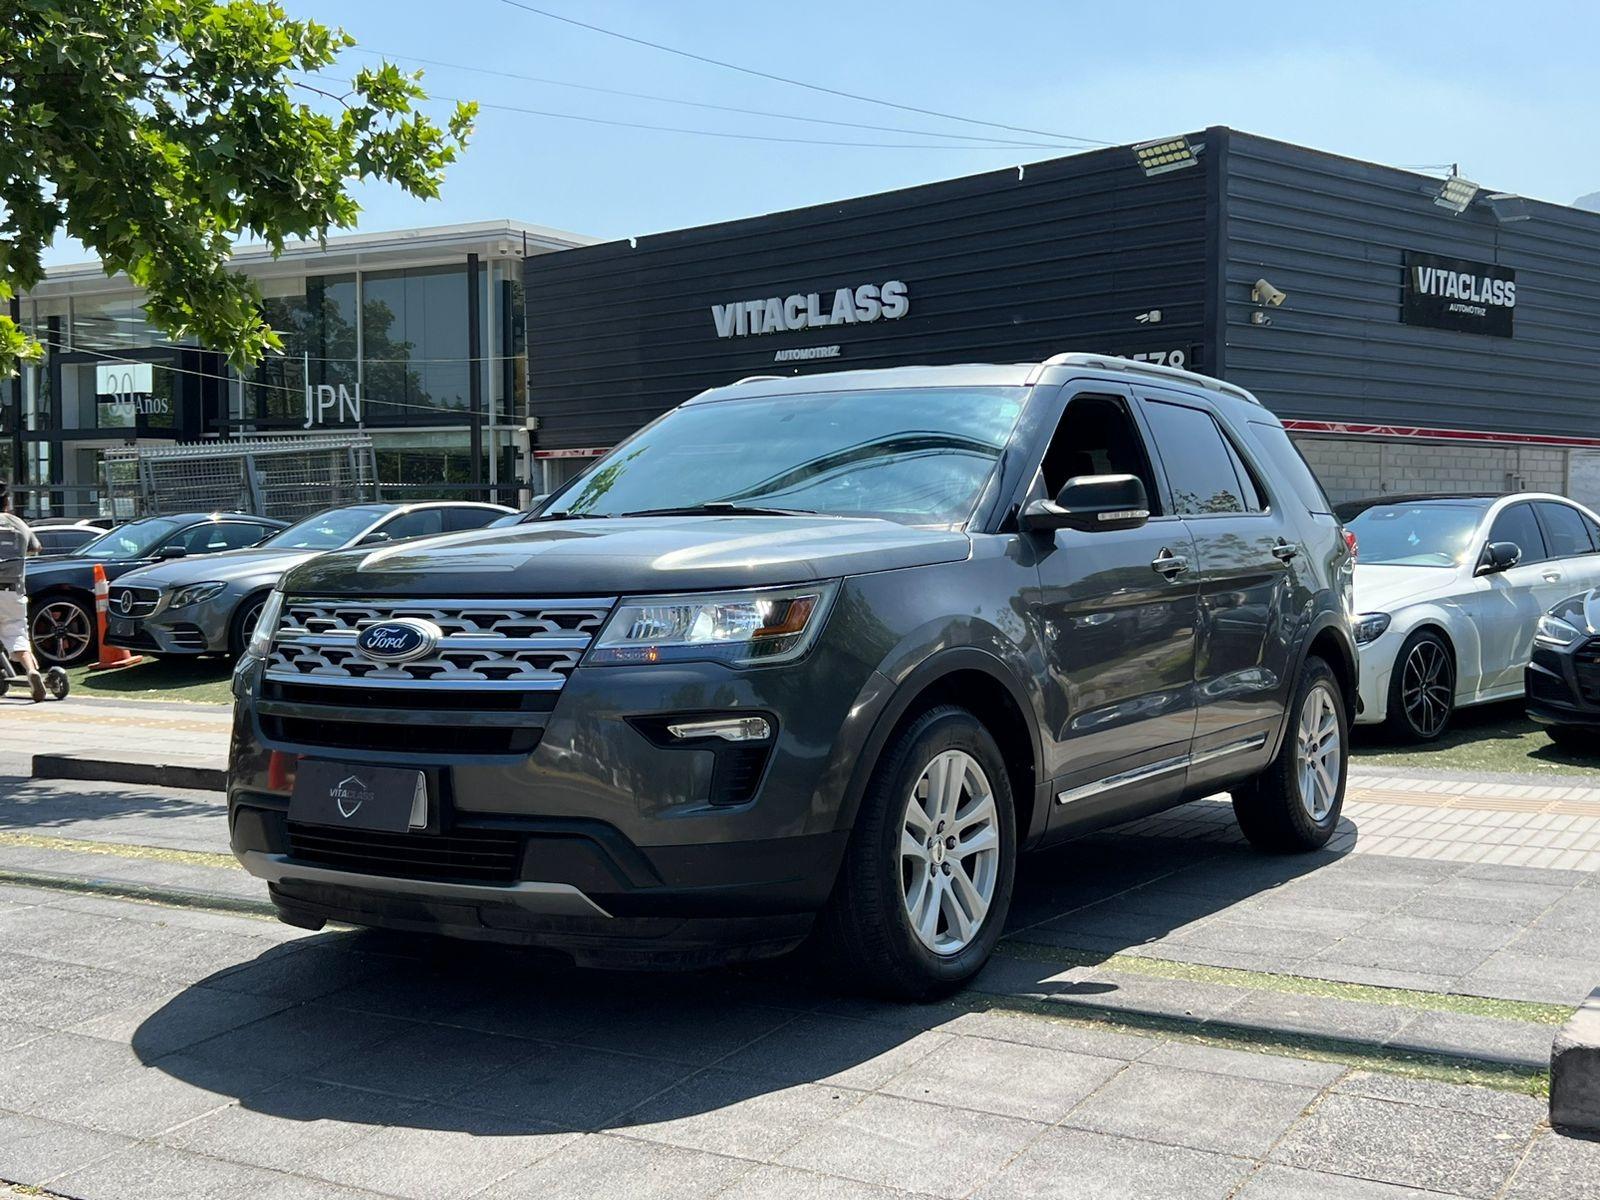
<point>1490,737</point>
<point>196,680</point>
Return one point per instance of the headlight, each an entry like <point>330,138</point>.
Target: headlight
<point>771,625</point>
<point>1370,627</point>
<point>194,594</point>
<point>1553,631</point>
<point>266,626</point>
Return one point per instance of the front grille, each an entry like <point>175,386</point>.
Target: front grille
<point>485,644</point>
<point>129,601</point>
<point>1586,664</point>
<point>463,855</point>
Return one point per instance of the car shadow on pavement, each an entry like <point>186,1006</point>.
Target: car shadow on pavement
<point>39,804</point>
<point>383,1029</point>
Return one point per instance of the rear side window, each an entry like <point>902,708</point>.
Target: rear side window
<point>1517,524</point>
<point>1291,465</point>
<point>419,522</point>
<point>1198,461</point>
<point>1565,530</point>
<point>457,519</point>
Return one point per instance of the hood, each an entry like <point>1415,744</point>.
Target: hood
<point>621,555</point>
<point>43,571</point>
<point>1385,588</point>
<point>226,567</point>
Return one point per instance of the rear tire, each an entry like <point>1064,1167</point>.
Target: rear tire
<point>1294,804</point>
<point>1422,689</point>
<point>925,886</point>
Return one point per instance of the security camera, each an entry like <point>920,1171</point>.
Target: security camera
<point>1265,293</point>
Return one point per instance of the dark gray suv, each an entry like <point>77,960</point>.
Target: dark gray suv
<point>809,656</point>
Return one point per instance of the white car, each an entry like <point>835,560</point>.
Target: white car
<point>1448,590</point>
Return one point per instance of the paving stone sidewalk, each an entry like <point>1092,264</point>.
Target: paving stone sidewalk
<point>217,1055</point>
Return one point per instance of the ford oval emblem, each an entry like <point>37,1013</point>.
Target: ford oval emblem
<point>402,640</point>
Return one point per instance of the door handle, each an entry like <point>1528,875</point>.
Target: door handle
<point>1552,576</point>
<point>1169,564</point>
<point>1284,551</point>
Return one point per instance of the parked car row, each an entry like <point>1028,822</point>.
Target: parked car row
<point>194,583</point>
<point>1454,598</point>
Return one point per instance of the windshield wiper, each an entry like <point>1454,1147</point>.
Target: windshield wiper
<point>565,515</point>
<point>721,508</point>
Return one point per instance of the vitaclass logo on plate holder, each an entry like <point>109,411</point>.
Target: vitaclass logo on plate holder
<point>401,640</point>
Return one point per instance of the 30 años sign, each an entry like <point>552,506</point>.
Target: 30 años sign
<point>1453,293</point>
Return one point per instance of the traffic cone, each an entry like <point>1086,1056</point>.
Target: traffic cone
<point>110,656</point>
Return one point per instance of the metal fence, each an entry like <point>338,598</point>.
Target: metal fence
<point>288,477</point>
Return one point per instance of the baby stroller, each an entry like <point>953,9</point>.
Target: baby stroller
<point>56,683</point>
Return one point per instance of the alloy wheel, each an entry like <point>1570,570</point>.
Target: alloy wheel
<point>61,632</point>
<point>949,852</point>
<point>1427,688</point>
<point>1318,753</point>
<point>252,618</point>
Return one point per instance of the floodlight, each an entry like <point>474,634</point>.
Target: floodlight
<point>1507,207</point>
<point>1165,154</point>
<point>1456,193</point>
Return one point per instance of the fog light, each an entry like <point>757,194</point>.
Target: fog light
<point>729,729</point>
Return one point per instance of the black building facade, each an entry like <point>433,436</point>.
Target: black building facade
<point>1411,346</point>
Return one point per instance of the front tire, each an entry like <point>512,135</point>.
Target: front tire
<point>1294,804</point>
<point>926,883</point>
<point>244,621</point>
<point>62,629</point>
<point>1422,690</point>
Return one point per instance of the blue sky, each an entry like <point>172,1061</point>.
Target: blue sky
<point>1505,90</point>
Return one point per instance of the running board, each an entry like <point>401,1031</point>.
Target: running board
<point>1156,770</point>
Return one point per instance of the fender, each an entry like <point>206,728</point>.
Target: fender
<point>1324,620</point>
<point>912,685</point>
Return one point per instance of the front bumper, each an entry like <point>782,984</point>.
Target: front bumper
<point>1376,667</point>
<point>196,629</point>
<point>609,842</point>
<point>1561,690</point>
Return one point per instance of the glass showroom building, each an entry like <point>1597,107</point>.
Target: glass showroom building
<point>416,337</point>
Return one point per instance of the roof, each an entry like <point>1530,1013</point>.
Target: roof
<point>347,251</point>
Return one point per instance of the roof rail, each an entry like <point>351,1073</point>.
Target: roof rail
<point>1111,362</point>
<point>754,379</point>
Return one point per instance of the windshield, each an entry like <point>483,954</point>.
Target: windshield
<point>326,531</point>
<point>917,456</point>
<point>136,539</point>
<point>1430,534</point>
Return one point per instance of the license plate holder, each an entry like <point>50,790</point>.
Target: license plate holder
<point>343,795</point>
<point>121,627</point>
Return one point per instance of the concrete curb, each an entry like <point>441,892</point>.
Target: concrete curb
<point>1575,1070</point>
<point>145,772</point>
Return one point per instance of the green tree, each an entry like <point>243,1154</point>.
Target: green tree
<point>157,132</point>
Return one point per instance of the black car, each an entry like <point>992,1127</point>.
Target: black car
<point>61,590</point>
<point>1563,678</point>
<point>813,655</point>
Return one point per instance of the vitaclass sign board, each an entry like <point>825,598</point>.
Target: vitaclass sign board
<point>859,305</point>
<point>1454,293</point>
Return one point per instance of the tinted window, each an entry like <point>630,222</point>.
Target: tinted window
<point>1565,529</point>
<point>1291,465</point>
<point>136,539</point>
<point>470,518</point>
<point>1515,524</point>
<point>208,537</point>
<point>1096,436</point>
<point>1198,462</point>
<point>53,541</point>
<point>328,530</point>
<point>1255,497</point>
<point>1425,534</point>
<point>236,535</point>
<point>920,456</point>
<point>419,523</point>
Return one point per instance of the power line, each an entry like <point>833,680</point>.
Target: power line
<point>815,87</point>
<point>722,133</point>
<point>730,108</point>
<point>752,137</point>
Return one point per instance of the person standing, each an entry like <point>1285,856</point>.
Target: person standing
<point>17,541</point>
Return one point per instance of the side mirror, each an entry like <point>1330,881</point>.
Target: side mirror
<point>1499,556</point>
<point>372,539</point>
<point>172,552</point>
<point>1091,504</point>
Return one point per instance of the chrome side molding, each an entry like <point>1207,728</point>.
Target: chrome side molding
<point>1155,770</point>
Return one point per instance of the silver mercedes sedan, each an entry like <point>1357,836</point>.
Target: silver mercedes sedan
<point>210,605</point>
